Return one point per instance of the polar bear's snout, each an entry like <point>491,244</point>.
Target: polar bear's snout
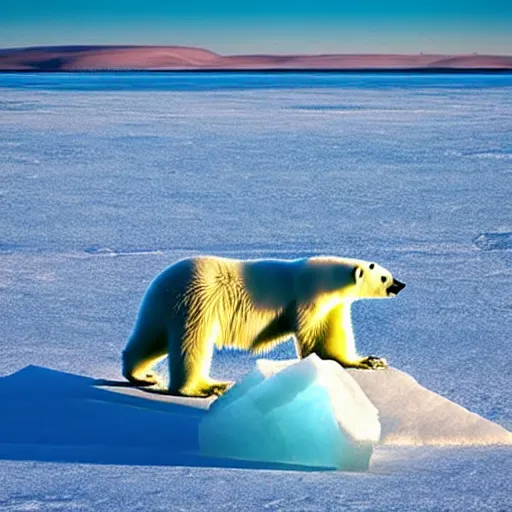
<point>395,288</point>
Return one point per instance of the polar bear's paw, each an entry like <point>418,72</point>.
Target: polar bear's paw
<point>219,388</point>
<point>206,389</point>
<point>373,363</point>
<point>147,379</point>
<point>215,388</point>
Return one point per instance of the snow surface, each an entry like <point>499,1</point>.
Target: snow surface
<point>311,413</point>
<point>106,179</point>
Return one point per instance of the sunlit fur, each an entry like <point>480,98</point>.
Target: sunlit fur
<point>198,303</point>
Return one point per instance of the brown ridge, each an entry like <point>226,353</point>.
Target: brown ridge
<point>98,58</point>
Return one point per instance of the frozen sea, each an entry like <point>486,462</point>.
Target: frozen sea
<point>105,179</point>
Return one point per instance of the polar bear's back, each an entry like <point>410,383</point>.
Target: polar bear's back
<point>191,281</point>
<point>267,283</point>
<point>238,297</point>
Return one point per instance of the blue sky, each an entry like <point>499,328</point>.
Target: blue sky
<point>265,26</point>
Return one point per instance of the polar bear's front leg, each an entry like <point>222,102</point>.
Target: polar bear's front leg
<point>335,341</point>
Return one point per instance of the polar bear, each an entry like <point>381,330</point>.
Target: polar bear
<point>200,303</point>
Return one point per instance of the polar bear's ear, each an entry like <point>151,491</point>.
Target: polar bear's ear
<point>358,273</point>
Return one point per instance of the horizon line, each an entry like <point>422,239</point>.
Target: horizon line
<point>82,46</point>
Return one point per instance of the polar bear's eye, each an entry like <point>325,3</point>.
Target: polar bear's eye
<point>383,279</point>
<point>372,266</point>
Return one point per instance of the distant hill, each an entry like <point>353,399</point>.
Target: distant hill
<point>153,58</point>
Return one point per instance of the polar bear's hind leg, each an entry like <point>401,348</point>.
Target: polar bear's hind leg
<point>137,365</point>
<point>205,389</point>
<point>190,357</point>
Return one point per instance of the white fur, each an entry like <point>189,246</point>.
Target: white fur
<point>198,303</point>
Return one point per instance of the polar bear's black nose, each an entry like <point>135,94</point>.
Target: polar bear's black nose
<point>396,287</point>
<point>398,284</point>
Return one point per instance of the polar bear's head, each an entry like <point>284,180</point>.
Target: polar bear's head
<point>374,281</point>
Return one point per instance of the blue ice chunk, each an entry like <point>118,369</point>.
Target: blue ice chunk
<point>309,412</point>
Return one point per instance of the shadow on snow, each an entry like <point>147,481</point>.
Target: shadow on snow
<point>49,415</point>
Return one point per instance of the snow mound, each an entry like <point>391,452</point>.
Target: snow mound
<point>315,413</point>
<point>309,412</point>
<point>411,414</point>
